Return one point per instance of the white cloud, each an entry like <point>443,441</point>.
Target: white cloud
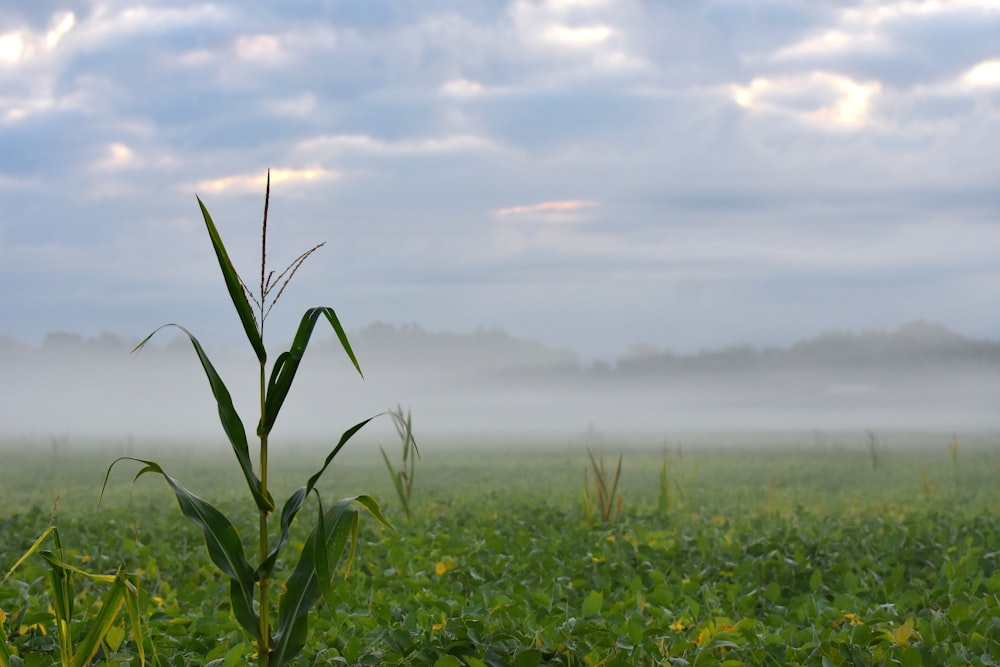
<point>333,145</point>
<point>461,88</point>
<point>548,207</point>
<point>823,98</point>
<point>832,42</point>
<point>254,182</point>
<point>294,107</point>
<point>11,47</point>
<point>118,156</point>
<point>62,24</point>
<point>577,36</point>
<point>260,49</point>
<point>984,75</point>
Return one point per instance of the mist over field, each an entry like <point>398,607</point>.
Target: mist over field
<point>918,377</point>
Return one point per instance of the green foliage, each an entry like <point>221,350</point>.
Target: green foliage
<point>402,479</point>
<point>832,566</point>
<point>335,529</point>
<point>74,650</point>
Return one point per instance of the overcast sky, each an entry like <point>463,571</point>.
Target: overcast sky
<point>589,173</point>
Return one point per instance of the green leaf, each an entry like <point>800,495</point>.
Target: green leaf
<point>303,588</point>
<point>592,603</point>
<point>135,619</point>
<point>4,650</point>
<point>295,501</point>
<point>287,363</point>
<point>222,541</point>
<point>235,287</point>
<point>101,624</point>
<point>38,542</point>
<point>115,637</point>
<point>231,422</point>
<point>347,435</point>
<point>313,572</point>
<point>397,477</point>
<point>528,658</point>
<point>448,661</point>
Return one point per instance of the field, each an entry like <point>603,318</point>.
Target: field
<point>795,549</point>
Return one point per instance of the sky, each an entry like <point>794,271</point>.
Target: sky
<point>592,174</point>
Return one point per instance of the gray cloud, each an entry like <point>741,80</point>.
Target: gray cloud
<point>803,164</point>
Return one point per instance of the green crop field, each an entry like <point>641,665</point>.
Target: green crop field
<point>798,549</point>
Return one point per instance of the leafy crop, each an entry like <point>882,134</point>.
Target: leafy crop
<point>277,643</point>
<point>76,646</point>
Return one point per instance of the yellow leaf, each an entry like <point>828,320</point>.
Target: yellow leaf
<point>904,633</point>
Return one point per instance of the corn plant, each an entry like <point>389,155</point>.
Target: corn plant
<point>402,479</point>
<point>665,500</point>
<point>605,491</point>
<point>873,448</point>
<point>277,641</point>
<point>77,646</point>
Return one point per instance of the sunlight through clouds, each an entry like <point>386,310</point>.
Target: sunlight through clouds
<point>461,88</point>
<point>11,47</point>
<point>547,207</point>
<point>582,36</point>
<point>983,75</point>
<point>822,98</point>
<point>253,183</point>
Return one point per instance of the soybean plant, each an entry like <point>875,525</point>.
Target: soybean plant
<point>336,527</point>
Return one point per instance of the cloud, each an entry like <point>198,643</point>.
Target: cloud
<point>822,98</point>
<point>331,146</point>
<point>254,182</point>
<point>547,207</point>
<point>461,88</point>
<point>984,75</point>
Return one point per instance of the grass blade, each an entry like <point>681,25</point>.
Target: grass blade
<point>230,419</point>
<point>235,287</point>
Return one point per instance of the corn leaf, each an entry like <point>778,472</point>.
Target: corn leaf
<point>62,594</point>
<point>222,541</point>
<point>135,618</point>
<point>41,538</point>
<point>295,501</point>
<point>102,622</point>
<point>231,422</point>
<point>303,588</point>
<point>287,363</point>
<point>4,650</point>
<point>235,287</point>
<point>397,477</point>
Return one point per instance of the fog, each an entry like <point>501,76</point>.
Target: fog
<point>920,377</point>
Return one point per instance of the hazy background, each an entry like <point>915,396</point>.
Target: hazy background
<point>618,180</point>
<point>918,377</point>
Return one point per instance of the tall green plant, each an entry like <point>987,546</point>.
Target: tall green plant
<point>336,526</point>
<point>402,479</point>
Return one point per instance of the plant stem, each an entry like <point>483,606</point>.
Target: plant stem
<point>265,631</point>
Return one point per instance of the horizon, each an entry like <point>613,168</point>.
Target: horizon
<point>170,339</point>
